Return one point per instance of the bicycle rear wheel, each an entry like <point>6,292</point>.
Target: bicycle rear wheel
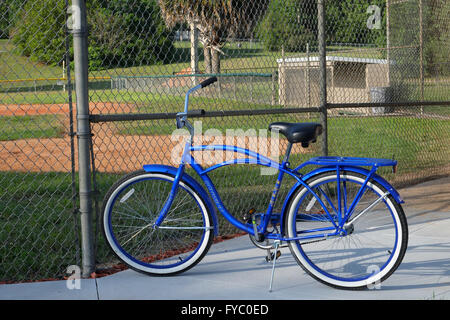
<point>132,206</point>
<point>361,255</point>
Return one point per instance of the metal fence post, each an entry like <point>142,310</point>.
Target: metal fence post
<point>323,74</point>
<point>79,31</point>
<point>194,51</point>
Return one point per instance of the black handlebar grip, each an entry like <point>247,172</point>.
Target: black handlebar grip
<point>194,113</point>
<point>208,81</point>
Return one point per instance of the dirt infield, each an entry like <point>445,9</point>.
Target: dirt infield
<point>113,152</point>
<point>38,109</point>
<point>54,154</point>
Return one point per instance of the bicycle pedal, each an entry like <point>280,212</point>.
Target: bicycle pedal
<point>250,217</point>
<point>247,217</point>
<point>270,256</point>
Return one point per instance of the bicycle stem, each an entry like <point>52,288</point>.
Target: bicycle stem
<point>182,116</point>
<point>186,100</point>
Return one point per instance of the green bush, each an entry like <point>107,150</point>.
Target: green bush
<point>4,20</point>
<point>437,37</point>
<point>121,33</point>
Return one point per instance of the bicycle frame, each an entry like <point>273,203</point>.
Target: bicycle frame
<point>337,164</point>
<point>162,220</point>
<point>328,163</point>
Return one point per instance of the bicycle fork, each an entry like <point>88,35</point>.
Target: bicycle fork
<point>172,194</point>
<point>174,189</point>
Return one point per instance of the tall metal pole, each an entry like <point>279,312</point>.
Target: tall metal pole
<point>194,51</point>
<point>323,74</point>
<point>388,42</point>
<point>80,51</point>
<point>308,78</point>
<point>421,53</point>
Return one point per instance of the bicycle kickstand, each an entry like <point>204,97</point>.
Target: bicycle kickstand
<point>275,256</point>
<point>270,256</point>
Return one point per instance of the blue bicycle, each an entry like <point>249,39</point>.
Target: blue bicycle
<point>343,223</point>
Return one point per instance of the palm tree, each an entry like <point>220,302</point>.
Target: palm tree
<point>215,19</point>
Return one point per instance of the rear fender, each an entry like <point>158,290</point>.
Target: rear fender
<point>320,170</point>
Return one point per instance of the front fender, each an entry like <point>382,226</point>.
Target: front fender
<point>191,182</point>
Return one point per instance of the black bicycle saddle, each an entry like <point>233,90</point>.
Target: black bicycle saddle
<point>304,132</point>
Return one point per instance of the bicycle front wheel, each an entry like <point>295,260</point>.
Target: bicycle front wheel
<point>359,254</point>
<point>130,210</point>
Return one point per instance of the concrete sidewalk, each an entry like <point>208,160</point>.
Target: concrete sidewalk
<point>236,270</point>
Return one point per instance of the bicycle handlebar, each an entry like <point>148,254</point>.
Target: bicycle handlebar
<point>208,81</point>
<point>182,116</point>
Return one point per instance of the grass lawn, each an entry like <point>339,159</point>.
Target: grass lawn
<point>38,238</point>
<point>31,127</point>
<point>14,66</point>
<point>417,143</point>
<point>37,235</point>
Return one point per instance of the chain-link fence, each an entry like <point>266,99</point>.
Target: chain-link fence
<point>39,225</point>
<point>387,95</point>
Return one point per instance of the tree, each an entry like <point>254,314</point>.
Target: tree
<point>127,33</point>
<point>348,22</point>
<point>437,37</point>
<point>4,20</point>
<point>39,33</point>
<point>293,23</point>
<point>216,20</point>
<point>288,23</point>
<point>122,33</point>
<point>8,15</point>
